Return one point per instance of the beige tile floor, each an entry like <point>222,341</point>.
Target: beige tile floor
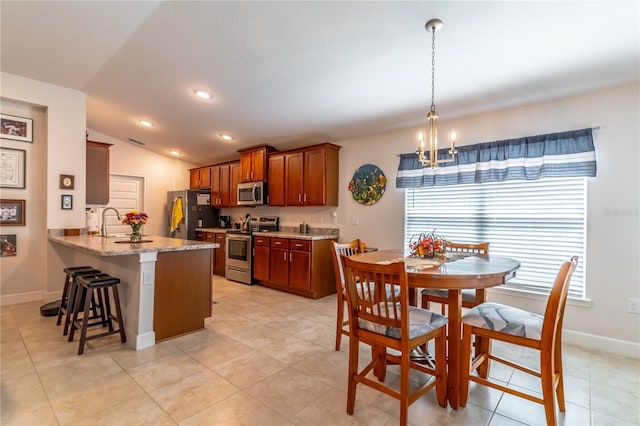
<point>264,358</point>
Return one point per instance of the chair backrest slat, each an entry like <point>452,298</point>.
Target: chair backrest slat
<point>554,311</point>
<point>343,249</point>
<point>480,248</point>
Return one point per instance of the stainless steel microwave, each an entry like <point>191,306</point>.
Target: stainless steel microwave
<point>252,193</point>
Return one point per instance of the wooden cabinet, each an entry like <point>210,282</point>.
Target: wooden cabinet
<point>219,255</point>
<point>276,180</point>
<point>253,164</point>
<point>97,184</point>
<point>299,266</point>
<point>200,178</point>
<point>310,176</point>
<point>221,185</point>
<point>233,184</point>
<point>261,261</point>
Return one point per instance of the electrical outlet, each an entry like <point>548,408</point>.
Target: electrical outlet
<point>633,306</point>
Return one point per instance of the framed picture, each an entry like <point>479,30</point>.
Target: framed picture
<point>12,168</point>
<point>12,212</point>
<point>66,202</point>
<point>8,245</point>
<point>66,181</point>
<point>16,128</point>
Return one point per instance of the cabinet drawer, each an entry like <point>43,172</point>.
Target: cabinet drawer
<point>302,245</point>
<point>261,241</point>
<point>280,242</point>
<point>220,238</point>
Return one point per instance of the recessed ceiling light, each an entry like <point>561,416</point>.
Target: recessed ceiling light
<point>146,123</point>
<point>226,137</point>
<point>174,152</point>
<point>202,94</point>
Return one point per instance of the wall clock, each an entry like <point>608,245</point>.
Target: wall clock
<point>368,184</point>
<point>66,181</point>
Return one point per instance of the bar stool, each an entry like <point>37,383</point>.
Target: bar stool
<point>89,283</point>
<point>69,292</point>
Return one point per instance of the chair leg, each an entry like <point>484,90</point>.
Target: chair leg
<point>85,320</point>
<point>64,300</point>
<point>404,387</point>
<point>465,364</point>
<point>483,346</point>
<point>116,300</point>
<point>441,368</point>
<point>548,392</point>
<point>354,348</point>
<point>339,322</point>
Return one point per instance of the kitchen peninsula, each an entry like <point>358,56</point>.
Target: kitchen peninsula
<point>165,288</point>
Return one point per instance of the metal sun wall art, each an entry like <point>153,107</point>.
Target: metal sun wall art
<point>368,184</point>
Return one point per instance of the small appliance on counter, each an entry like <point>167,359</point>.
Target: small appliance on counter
<point>225,221</point>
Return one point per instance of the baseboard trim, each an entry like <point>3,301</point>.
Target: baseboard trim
<point>14,299</point>
<point>601,343</point>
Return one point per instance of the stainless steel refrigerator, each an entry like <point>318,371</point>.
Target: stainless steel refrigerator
<point>188,210</point>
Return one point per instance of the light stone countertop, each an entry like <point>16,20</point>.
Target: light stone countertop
<point>96,244</point>
<point>277,234</point>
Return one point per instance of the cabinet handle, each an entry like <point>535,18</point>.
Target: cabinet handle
<point>284,256</point>
<point>305,198</point>
<point>290,257</point>
<point>299,198</point>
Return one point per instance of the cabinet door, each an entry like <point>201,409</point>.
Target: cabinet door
<point>205,177</point>
<point>314,177</point>
<point>216,196</point>
<point>245,167</point>
<point>258,159</point>
<point>261,263</point>
<point>97,163</point>
<point>293,178</point>
<point>233,184</point>
<point>276,180</point>
<point>194,179</point>
<point>220,254</point>
<point>300,269</point>
<point>279,266</point>
<point>225,181</point>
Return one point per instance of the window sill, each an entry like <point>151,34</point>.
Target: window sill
<point>585,303</point>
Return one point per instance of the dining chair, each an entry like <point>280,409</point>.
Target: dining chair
<point>470,297</point>
<point>339,250</point>
<point>494,321</point>
<point>385,320</point>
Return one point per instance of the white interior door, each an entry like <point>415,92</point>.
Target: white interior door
<point>126,193</point>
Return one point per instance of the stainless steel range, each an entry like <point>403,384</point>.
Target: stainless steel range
<point>240,248</point>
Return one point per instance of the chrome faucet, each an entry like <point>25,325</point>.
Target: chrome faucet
<point>104,222</point>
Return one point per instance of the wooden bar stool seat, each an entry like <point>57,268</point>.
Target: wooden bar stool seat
<point>101,284</point>
<point>69,291</point>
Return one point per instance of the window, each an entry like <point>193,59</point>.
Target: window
<point>542,223</point>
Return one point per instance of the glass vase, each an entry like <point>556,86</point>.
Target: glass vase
<point>135,235</point>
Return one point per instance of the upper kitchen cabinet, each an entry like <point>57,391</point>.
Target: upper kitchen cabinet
<point>276,179</point>
<point>311,176</point>
<point>97,173</point>
<point>233,186</point>
<point>200,178</point>
<point>220,184</point>
<point>253,163</point>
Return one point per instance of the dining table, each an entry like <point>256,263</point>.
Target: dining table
<point>454,273</point>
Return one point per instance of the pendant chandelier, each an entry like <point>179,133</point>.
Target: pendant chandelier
<point>434,25</point>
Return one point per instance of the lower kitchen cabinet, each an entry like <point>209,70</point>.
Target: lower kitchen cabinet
<point>219,255</point>
<point>299,266</point>
<point>261,261</point>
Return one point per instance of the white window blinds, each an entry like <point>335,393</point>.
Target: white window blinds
<point>541,223</point>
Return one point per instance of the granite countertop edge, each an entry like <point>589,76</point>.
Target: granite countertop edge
<point>278,234</point>
<point>110,247</point>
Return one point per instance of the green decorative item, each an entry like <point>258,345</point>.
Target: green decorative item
<point>368,184</point>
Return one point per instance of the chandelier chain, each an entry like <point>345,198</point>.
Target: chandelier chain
<point>433,67</point>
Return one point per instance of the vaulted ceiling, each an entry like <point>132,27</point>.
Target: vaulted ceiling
<point>292,73</point>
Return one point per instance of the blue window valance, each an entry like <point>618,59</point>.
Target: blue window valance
<point>533,157</point>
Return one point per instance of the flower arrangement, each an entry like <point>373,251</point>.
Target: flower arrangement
<point>135,219</point>
<point>428,245</point>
